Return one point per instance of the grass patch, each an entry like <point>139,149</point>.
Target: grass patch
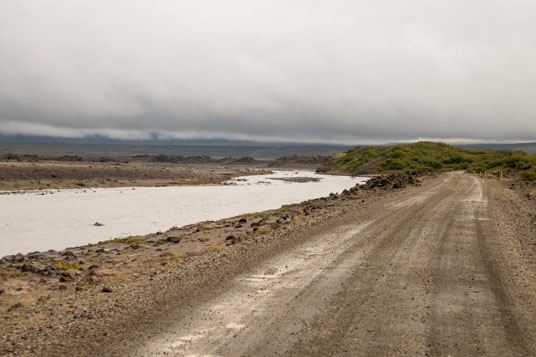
<point>67,266</point>
<point>248,215</point>
<point>205,228</point>
<point>43,298</point>
<point>128,241</point>
<point>426,156</point>
<point>77,183</point>
<point>528,175</point>
<point>11,266</point>
<point>264,230</point>
<point>127,251</point>
<point>218,247</point>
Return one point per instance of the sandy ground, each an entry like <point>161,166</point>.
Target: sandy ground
<point>439,269</point>
<point>55,175</point>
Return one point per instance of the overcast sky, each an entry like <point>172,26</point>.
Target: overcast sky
<point>291,70</point>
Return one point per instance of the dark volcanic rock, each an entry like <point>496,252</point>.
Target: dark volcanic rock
<point>232,240</point>
<point>33,267</point>
<point>19,258</point>
<point>173,239</point>
<point>392,181</point>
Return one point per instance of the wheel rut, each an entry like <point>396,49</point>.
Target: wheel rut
<point>413,277</point>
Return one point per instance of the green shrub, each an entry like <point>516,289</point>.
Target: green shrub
<point>529,175</point>
<point>67,266</point>
<point>425,156</point>
<point>127,241</point>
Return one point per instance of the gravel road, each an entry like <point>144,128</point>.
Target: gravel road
<point>412,276</point>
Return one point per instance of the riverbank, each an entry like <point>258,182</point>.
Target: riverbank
<point>85,296</point>
<point>70,175</point>
<point>83,216</point>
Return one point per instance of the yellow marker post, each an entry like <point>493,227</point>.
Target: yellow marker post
<point>501,175</point>
<point>485,173</point>
<point>480,173</point>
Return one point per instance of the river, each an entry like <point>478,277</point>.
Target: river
<point>57,219</point>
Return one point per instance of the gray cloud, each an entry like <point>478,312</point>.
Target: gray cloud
<point>329,71</point>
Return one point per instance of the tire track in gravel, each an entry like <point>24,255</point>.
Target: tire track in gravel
<point>412,277</point>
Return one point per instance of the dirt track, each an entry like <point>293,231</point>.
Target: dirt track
<point>415,275</point>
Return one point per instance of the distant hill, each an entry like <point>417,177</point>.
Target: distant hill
<point>215,149</point>
<point>426,156</point>
<point>526,147</point>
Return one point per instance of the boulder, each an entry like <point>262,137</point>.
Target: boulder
<point>34,267</point>
<point>173,239</point>
<point>232,240</point>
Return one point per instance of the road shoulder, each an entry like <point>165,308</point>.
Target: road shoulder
<point>511,241</point>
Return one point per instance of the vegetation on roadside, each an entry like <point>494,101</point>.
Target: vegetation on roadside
<point>67,266</point>
<point>128,241</point>
<point>529,175</point>
<point>430,157</point>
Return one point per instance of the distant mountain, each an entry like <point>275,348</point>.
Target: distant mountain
<point>526,147</point>
<point>162,142</point>
<point>95,147</point>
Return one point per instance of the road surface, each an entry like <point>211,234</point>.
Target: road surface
<point>413,277</point>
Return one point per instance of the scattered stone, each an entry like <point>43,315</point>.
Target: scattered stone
<point>231,240</point>
<point>98,224</point>
<point>242,221</point>
<point>33,267</point>
<point>173,239</point>
<point>106,289</point>
<point>68,254</point>
<point>15,306</point>
<point>19,258</point>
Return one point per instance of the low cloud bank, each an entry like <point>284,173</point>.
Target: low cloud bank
<point>304,71</point>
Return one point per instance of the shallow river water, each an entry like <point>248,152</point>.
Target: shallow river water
<point>58,219</point>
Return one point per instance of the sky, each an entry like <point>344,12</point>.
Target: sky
<point>358,71</point>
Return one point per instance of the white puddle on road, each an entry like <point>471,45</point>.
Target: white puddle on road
<point>255,299</point>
